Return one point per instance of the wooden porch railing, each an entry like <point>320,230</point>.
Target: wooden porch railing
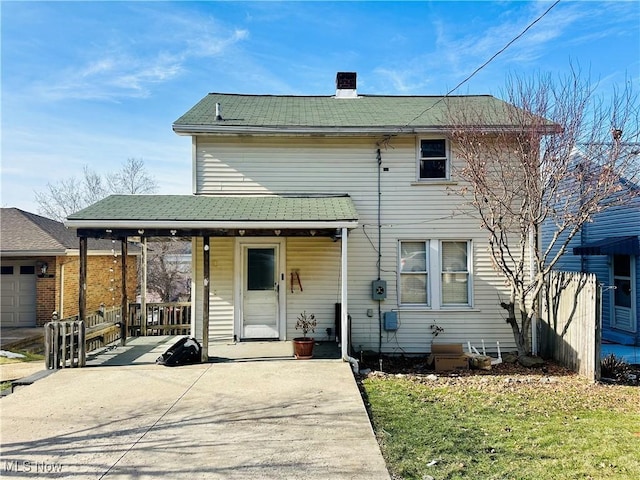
<point>64,344</point>
<point>68,340</point>
<point>173,318</point>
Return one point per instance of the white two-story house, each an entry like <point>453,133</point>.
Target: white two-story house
<point>311,203</point>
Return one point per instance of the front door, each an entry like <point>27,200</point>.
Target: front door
<point>624,293</point>
<point>260,291</point>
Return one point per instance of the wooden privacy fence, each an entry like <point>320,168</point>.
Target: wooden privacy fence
<point>570,327</point>
<point>172,318</point>
<point>64,344</point>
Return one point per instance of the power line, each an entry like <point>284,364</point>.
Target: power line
<point>487,62</point>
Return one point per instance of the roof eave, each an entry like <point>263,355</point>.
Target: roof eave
<point>69,252</point>
<point>204,225</point>
<point>297,130</point>
<point>33,253</point>
<point>344,131</point>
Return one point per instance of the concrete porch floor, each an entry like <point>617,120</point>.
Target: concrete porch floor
<point>145,351</point>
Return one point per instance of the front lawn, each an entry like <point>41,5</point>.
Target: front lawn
<point>25,357</point>
<point>505,426</point>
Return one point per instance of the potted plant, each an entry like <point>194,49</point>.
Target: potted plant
<point>303,346</point>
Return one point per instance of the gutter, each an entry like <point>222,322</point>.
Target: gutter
<point>211,129</point>
<point>33,253</point>
<point>288,130</point>
<point>204,224</point>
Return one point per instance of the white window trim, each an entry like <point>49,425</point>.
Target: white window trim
<point>434,275</point>
<point>447,147</point>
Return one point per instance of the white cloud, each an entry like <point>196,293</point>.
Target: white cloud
<point>110,78</point>
<point>130,63</point>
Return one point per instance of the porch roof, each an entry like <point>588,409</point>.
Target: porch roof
<point>202,212</point>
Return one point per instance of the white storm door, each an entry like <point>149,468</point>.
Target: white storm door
<point>260,291</point>
<point>624,294</point>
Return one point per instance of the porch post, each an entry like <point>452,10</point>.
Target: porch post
<point>82,294</point>
<point>143,290</point>
<point>205,300</point>
<point>125,301</point>
<point>344,315</point>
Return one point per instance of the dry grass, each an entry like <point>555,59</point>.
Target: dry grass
<point>509,423</point>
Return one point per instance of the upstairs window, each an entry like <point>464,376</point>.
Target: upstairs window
<point>433,163</point>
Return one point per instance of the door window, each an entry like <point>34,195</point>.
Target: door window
<point>260,268</point>
<point>622,280</point>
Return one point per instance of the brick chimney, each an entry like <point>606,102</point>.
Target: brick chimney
<point>346,85</point>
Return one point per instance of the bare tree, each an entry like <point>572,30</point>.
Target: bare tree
<point>562,156</point>
<point>67,196</point>
<point>169,269</point>
<point>132,178</point>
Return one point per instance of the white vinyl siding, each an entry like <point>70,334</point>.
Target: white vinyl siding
<point>221,300</point>
<point>232,165</point>
<point>316,263</point>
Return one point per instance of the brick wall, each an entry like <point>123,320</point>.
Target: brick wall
<point>58,291</point>
<point>46,295</point>
<point>102,276</point>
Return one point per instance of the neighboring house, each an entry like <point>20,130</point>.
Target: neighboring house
<point>40,263</point>
<point>308,203</point>
<point>609,247</point>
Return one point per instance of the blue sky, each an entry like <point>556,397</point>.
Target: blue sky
<point>95,83</point>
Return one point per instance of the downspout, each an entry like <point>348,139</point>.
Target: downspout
<point>143,288</point>
<point>61,306</point>
<point>379,157</point>
<point>344,315</point>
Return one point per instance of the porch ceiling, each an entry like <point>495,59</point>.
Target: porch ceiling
<point>215,215</point>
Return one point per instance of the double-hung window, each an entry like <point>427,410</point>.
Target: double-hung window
<point>433,159</point>
<point>454,264</point>
<point>414,273</point>
<point>434,273</point>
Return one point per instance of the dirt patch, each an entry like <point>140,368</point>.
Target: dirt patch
<point>418,366</point>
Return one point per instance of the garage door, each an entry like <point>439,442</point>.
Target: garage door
<point>18,295</point>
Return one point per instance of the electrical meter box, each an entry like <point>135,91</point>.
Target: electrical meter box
<point>379,289</point>
<point>390,320</point>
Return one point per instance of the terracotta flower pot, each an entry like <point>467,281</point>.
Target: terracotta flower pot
<point>303,348</point>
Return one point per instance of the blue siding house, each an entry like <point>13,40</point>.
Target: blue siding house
<point>609,247</point>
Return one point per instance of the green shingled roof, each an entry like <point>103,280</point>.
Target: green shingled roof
<point>181,209</point>
<point>321,113</point>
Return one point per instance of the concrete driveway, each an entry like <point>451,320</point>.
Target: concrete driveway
<point>272,419</point>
